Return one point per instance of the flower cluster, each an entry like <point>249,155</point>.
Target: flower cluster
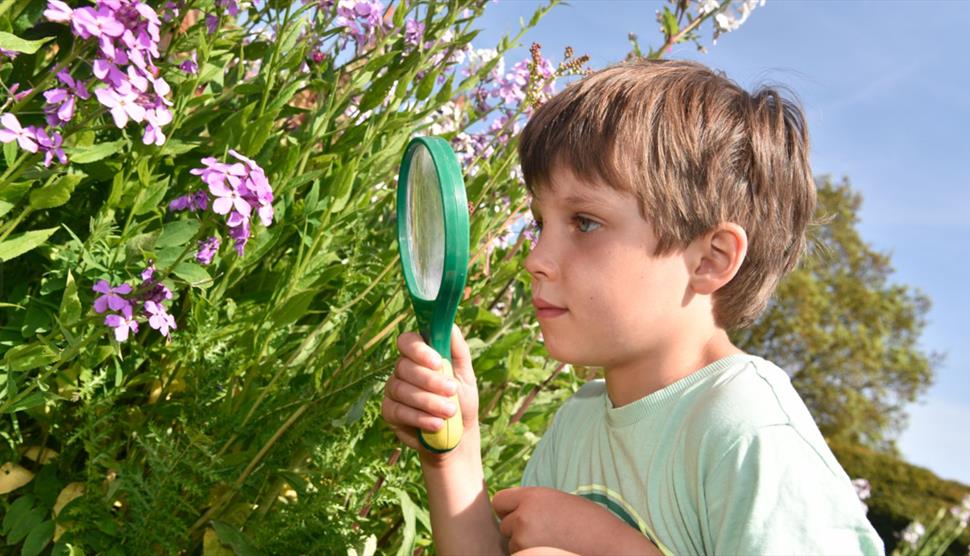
<point>863,490</point>
<point>32,139</point>
<point>150,294</point>
<point>913,533</point>
<point>361,19</point>
<point>730,18</point>
<point>239,189</point>
<point>127,33</point>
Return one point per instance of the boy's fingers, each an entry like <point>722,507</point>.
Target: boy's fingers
<point>461,357</point>
<point>424,378</point>
<point>505,501</point>
<point>413,347</point>
<point>420,399</point>
<point>399,414</point>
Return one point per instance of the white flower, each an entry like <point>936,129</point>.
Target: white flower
<point>707,6</point>
<point>913,533</point>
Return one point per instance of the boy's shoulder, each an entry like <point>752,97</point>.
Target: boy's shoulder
<point>751,394</point>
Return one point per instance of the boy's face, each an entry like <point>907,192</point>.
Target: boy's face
<point>602,298</point>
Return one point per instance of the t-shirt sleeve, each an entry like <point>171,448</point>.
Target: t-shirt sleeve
<point>774,493</point>
<point>541,467</point>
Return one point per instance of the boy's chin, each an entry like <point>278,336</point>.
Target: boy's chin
<point>572,355</point>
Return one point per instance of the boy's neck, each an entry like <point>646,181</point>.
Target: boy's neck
<point>629,382</point>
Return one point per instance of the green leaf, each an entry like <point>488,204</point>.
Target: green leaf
<point>177,233</point>
<point>5,207</point>
<point>93,153</point>
<point>408,509</point>
<point>10,153</point>
<point>231,536</point>
<point>34,399</point>
<point>175,147</point>
<point>210,72</point>
<point>426,85</point>
<point>20,507</point>
<point>57,193</point>
<point>17,44</point>
<point>255,135</point>
<point>342,185</point>
<point>38,538</point>
<point>285,95</point>
<point>29,356</point>
<point>294,308</point>
<point>194,274</point>
<point>377,91</point>
<point>23,526</point>
<point>18,244</point>
<point>70,310</point>
<point>151,197</point>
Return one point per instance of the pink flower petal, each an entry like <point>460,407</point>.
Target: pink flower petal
<point>222,205</point>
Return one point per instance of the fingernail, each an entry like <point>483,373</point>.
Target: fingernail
<point>451,386</point>
<point>450,408</point>
<point>435,361</point>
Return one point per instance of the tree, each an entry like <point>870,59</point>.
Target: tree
<point>847,335</point>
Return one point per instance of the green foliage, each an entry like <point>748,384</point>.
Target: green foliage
<point>901,492</point>
<point>256,427</point>
<point>848,335</point>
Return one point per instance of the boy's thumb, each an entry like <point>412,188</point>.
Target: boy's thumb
<point>461,357</point>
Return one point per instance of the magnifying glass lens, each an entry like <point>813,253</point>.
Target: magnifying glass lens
<point>425,224</point>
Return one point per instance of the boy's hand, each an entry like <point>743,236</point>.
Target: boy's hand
<point>537,516</point>
<point>417,394</point>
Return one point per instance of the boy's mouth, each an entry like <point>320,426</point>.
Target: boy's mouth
<point>544,309</point>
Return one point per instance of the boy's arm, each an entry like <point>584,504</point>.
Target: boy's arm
<point>462,520</point>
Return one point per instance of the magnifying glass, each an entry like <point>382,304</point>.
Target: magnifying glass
<point>432,234</point>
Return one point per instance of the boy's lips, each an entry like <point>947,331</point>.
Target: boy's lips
<point>544,309</point>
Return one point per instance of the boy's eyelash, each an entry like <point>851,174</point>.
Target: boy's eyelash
<point>579,220</point>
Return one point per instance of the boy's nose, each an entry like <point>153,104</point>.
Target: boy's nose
<point>540,264</point>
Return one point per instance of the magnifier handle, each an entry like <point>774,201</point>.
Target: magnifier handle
<point>448,436</point>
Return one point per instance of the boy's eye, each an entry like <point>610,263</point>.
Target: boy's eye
<point>585,225</point>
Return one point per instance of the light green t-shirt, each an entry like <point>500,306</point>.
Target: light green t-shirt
<point>724,461</point>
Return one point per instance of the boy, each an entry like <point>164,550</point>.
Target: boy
<point>670,203</point>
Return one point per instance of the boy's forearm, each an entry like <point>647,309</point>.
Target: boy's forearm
<point>462,519</point>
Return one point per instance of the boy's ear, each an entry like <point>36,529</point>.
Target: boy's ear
<point>716,256</point>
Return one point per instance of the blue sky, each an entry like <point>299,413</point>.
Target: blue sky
<point>886,89</point>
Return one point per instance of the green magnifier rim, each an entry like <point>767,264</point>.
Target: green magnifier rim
<point>436,316</point>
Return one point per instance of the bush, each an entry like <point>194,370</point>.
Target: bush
<point>901,492</point>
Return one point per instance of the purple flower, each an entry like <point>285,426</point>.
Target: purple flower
<point>413,32</point>
<point>13,131</point>
<point>76,86</point>
<point>123,323</point>
<point>239,190</point>
<point>89,23</point>
<point>58,11</point>
<point>207,249</point>
<point>171,10</point>
<point>150,288</point>
<point>192,202</point>
<point>17,97</point>
<point>127,33</point>
<point>190,66</point>
<point>240,235</point>
<point>122,104</point>
<point>111,298</point>
<point>50,145</point>
<point>360,18</point>
<point>211,23</point>
<point>149,272</point>
<point>159,319</point>
<point>231,6</point>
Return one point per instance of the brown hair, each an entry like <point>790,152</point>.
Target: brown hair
<point>696,150</point>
